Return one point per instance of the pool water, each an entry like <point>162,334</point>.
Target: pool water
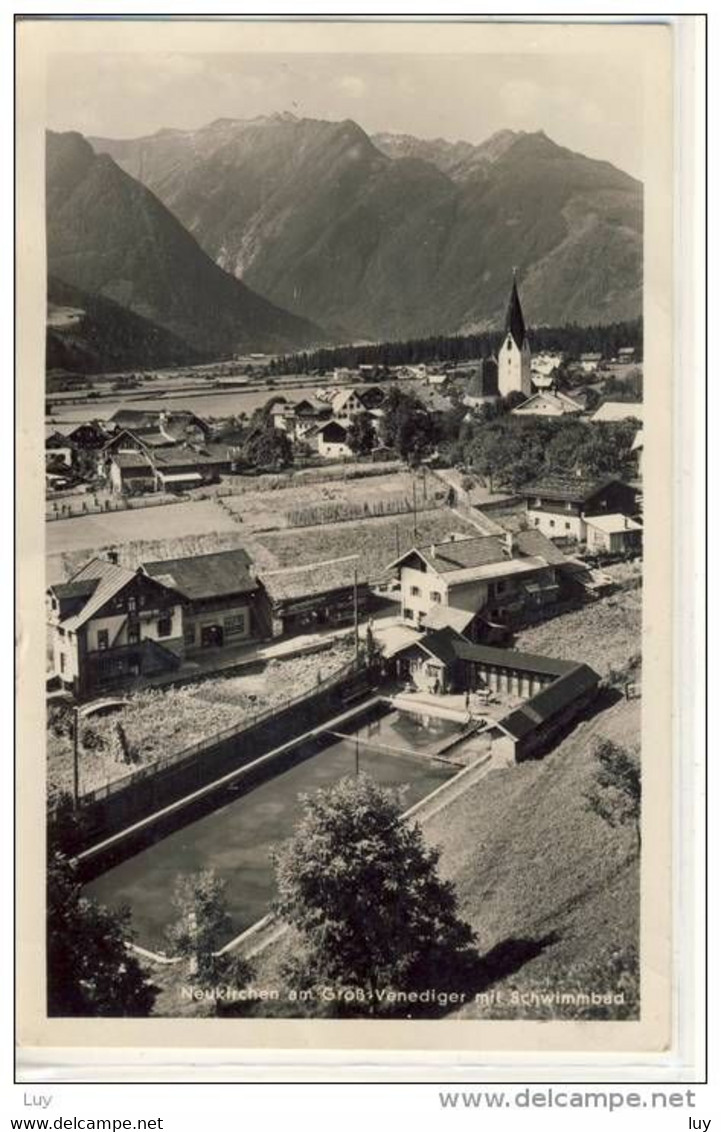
<point>236,840</point>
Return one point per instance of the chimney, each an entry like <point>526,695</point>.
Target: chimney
<point>113,557</point>
<point>511,544</point>
<point>433,550</point>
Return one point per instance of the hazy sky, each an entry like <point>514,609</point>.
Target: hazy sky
<point>592,104</point>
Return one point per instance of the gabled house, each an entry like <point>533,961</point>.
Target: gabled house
<point>499,580</point>
<point>111,625</point>
<point>224,603</point>
<point>558,505</point>
<point>331,439</point>
<point>548,403</point>
<point>348,404</point>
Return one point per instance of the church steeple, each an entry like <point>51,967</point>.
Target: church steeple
<point>515,325</point>
<point>514,356</point>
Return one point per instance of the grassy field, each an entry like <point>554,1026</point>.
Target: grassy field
<point>605,634</point>
<point>547,886</point>
<point>376,541</point>
<point>159,722</point>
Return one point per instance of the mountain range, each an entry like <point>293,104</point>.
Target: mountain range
<point>111,239</point>
<point>392,236</point>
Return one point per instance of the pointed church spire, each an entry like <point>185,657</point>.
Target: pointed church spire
<point>514,316</point>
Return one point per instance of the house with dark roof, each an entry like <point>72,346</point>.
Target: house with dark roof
<point>331,439</point>
<point>111,625</point>
<point>224,603</point>
<point>176,424</point>
<point>496,578</point>
<point>557,505</point>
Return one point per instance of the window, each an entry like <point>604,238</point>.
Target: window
<point>165,626</point>
<point>236,623</point>
<point>103,638</point>
<point>536,520</point>
<point>538,503</point>
<point>415,592</point>
<point>408,613</point>
<point>552,522</point>
<point>133,634</point>
<point>568,526</point>
<point>435,596</point>
<point>132,605</point>
<point>62,661</point>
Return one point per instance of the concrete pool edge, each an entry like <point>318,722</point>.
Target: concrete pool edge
<point>277,929</point>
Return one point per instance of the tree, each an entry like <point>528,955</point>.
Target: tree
<point>361,434</point>
<point>267,446</point>
<point>361,891</point>
<point>615,793</point>
<point>91,971</point>
<point>202,927</point>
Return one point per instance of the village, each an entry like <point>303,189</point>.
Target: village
<point>399,551</point>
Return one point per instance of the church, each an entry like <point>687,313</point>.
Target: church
<point>511,370</point>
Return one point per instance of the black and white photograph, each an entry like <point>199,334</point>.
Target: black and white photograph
<point>347,373</point>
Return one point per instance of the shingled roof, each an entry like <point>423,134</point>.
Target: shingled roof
<point>206,575</point>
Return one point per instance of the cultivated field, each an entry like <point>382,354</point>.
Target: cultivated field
<point>159,722</point>
<point>302,503</point>
<point>377,542</point>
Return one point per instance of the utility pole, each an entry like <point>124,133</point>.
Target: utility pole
<point>76,753</point>
<point>415,515</point>
<point>355,615</point>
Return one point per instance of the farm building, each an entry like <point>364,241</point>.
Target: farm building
<point>224,602</point>
<point>548,403</point>
<point>557,506</point>
<point>614,534</point>
<point>324,593</point>
<point>331,439</point>
<point>176,425</point>
<point>130,472</point>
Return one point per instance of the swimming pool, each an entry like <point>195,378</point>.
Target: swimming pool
<point>236,839</point>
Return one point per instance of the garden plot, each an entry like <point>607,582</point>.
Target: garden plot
<point>376,542</point>
<point>307,504</point>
